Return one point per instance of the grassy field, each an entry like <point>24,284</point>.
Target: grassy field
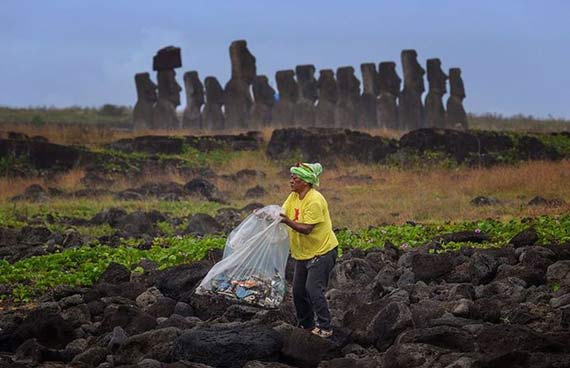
<point>519,123</point>
<point>370,204</point>
<point>359,195</point>
<point>90,126</point>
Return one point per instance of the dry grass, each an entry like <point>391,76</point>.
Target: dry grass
<point>518,123</point>
<point>10,187</point>
<point>91,135</point>
<point>386,133</point>
<point>361,195</point>
<point>389,196</point>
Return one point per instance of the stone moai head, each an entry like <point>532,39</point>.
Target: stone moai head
<point>146,89</point>
<point>263,93</point>
<point>287,85</point>
<point>307,83</point>
<point>436,77</point>
<point>243,62</point>
<point>369,79</point>
<point>167,58</point>
<point>413,72</point>
<point>214,91</point>
<point>456,83</point>
<point>168,88</point>
<point>388,79</point>
<point>194,89</point>
<point>328,88</point>
<point>348,84</point>
<point>164,62</point>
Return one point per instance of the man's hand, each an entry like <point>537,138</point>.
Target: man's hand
<point>284,219</point>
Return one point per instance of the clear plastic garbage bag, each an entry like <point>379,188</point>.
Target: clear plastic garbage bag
<point>253,267</point>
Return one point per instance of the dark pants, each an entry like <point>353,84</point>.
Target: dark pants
<point>309,286</point>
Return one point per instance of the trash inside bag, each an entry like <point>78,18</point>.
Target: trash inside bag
<point>253,267</point>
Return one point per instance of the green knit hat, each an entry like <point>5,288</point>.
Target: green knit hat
<point>307,172</point>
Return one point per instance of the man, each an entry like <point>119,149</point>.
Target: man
<point>313,246</point>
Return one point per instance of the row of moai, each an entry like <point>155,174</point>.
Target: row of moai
<point>249,102</point>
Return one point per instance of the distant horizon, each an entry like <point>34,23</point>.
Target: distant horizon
<point>179,110</point>
<point>65,53</point>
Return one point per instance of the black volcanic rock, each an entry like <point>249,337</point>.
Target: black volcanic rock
<point>323,145</point>
<point>228,345</point>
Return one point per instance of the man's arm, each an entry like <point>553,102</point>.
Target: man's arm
<point>304,229</point>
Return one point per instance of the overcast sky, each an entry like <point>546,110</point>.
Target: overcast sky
<point>514,54</point>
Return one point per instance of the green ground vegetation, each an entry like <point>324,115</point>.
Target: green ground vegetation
<point>41,115</point>
<point>520,123</point>
<point>115,114</point>
<point>16,214</point>
<point>30,277</point>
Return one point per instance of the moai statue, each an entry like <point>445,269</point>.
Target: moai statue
<point>437,79</point>
<point>328,97</point>
<point>213,116</point>
<point>284,110</point>
<point>456,116</point>
<point>305,110</point>
<point>164,113</point>
<point>192,117</point>
<point>346,112</point>
<point>238,99</point>
<point>411,108</point>
<point>389,89</point>
<point>264,96</point>
<point>368,114</point>
<point>146,98</point>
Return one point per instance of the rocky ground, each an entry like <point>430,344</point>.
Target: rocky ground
<point>419,307</point>
<point>506,307</point>
<point>138,156</point>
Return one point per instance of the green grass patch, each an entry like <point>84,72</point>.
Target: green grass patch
<point>41,115</point>
<point>551,230</point>
<point>29,278</point>
<point>559,142</point>
<point>10,213</point>
<point>33,276</point>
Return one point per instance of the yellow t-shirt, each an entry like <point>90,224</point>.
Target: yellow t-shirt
<point>313,209</point>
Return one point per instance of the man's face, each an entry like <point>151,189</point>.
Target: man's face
<point>297,185</point>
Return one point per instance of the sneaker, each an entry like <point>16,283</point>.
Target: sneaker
<point>322,333</point>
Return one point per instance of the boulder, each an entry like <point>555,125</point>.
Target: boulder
<point>128,317</point>
<point>44,324</point>
<point>115,274</point>
<point>428,267</point>
<point>559,274</point>
<point>525,238</point>
<point>389,323</point>
<point>482,268</point>
<point>302,348</point>
<point>447,337</point>
<point>204,188</point>
<point>484,201</point>
<point>202,224</point>
<point>502,343</point>
<point>255,192</point>
<point>355,272</point>
<point>228,345</point>
<point>155,344</point>
<point>325,145</point>
<point>175,281</point>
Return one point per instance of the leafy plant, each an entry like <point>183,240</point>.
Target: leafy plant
<point>31,277</point>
